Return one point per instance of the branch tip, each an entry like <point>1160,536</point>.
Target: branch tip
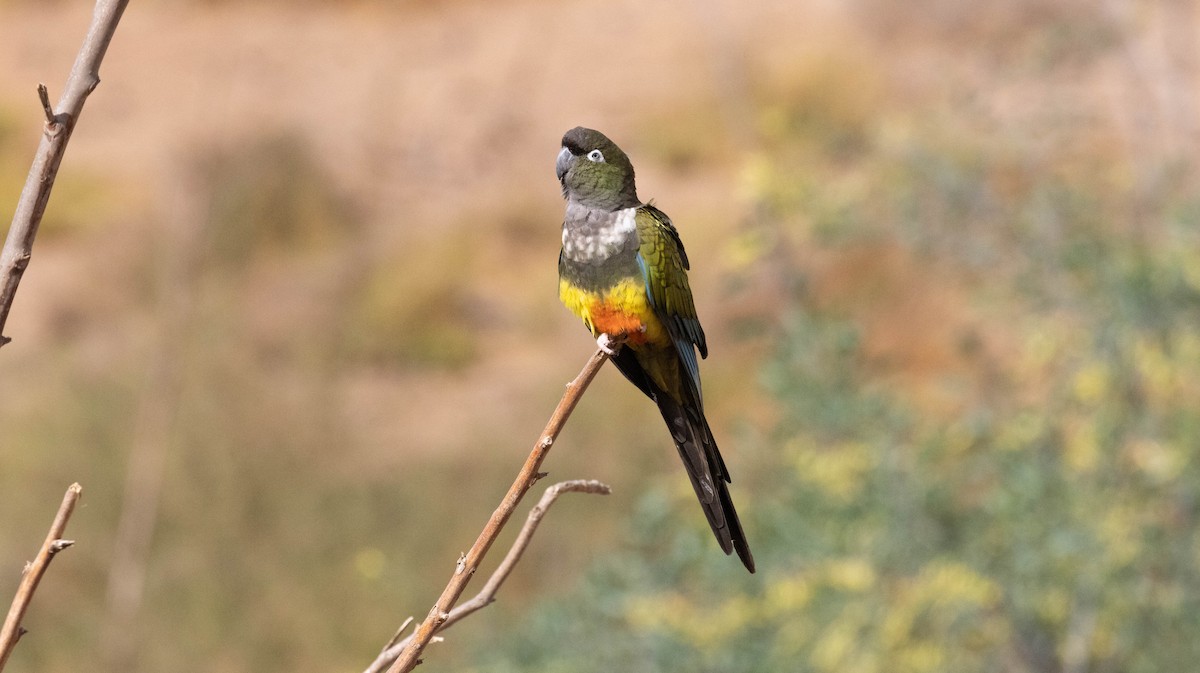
<point>12,630</point>
<point>47,109</point>
<point>397,635</point>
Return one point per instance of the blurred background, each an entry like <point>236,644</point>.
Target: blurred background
<point>292,322</point>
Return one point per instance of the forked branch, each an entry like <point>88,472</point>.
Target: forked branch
<point>12,631</point>
<point>487,595</point>
<point>440,615</point>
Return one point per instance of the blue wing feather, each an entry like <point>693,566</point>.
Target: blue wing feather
<point>687,353</point>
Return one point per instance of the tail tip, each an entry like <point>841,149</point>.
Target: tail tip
<point>743,552</point>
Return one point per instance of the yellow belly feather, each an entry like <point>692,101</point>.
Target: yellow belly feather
<point>623,307</point>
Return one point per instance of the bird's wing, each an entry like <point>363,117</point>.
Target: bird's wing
<point>664,266</point>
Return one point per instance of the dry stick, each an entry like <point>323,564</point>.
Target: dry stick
<point>487,595</point>
<point>84,77</point>
<point>467,565</point>
<point>11,632</point>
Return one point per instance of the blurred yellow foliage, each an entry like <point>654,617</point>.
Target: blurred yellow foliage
<point>745,249</point>
<point>1018,434</point>
<point>706,627</point>
<point>942,592</point>
<point>369,562</point>
<point>1053,604</point>
<point>1119,525</point>
<point>849,574</point>
<point>947,582</point>
<point>1162,375</point>
<point>1043,344</point>
<point>788,595</point>
<point>836,647</point>
<point>756,177</point>
<point>1162,462</point>
<point>1091,383</point>
<point>837,470</point>
<point>1080,446</point>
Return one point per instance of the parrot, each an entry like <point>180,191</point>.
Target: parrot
<point>623,271</point>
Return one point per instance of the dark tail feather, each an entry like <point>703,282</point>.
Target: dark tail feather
<point>706,469</point>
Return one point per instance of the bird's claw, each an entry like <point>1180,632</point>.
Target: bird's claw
<point>608,344</point>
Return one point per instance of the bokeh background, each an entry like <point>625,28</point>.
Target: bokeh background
<point>292,322</point>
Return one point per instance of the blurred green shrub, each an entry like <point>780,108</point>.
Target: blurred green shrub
<point>1047,520</point>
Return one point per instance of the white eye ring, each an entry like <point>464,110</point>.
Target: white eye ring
<point>596,156</point>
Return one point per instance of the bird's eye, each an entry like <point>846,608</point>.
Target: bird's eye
<point>595,155</point>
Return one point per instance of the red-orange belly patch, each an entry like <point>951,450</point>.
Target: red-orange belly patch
<point>611,320</point>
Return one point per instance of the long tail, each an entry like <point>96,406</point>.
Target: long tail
<point>706,469</point>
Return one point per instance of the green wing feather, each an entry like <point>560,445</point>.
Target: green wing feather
<point>664,266</point>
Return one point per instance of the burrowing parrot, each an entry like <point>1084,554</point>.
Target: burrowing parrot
<point>623,270</point>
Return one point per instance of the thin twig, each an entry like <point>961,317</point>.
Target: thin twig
<point>47,109</point>
<point>84,77</point>
<point>12,631</point>
<point>399,635</point>
<point>440,613</point>
<point>487,595</point>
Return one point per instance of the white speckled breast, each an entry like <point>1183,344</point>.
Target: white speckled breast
<point>591,235</point>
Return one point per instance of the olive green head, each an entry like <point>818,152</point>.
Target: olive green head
<point>594,172</point>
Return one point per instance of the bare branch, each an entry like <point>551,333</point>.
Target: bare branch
<point>439,614</point>
<point>84,77</point>
<point>487,595</point>
<point>12,631</point>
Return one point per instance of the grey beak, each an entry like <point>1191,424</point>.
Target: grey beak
<point>564,163</point>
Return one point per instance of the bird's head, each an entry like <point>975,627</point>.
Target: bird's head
<point>594,172</point>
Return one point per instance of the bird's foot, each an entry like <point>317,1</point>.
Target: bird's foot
<point>609,344</point>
